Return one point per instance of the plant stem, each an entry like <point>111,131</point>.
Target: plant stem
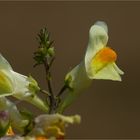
<point>58,96</point>
<point>62,90</point>
<point>45,92</point>
<point>48,78</point>
<point>51,62</point>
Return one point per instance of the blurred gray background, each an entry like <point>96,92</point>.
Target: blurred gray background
<point>108,109</point>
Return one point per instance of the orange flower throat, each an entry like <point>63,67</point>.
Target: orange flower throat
<point>102,58</point>
<point>106,55</point>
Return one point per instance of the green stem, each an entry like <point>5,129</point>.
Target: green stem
<point>62,90</point>
<point>45,92</point>
<point>58,96</point>
<point>48,78</point>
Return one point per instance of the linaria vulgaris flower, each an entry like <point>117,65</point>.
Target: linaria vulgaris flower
<point>98,63</point>
<point>53,125</point>
<point>18,85</point>
<point>15,118</point>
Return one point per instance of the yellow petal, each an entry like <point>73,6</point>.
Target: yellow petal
<point>4,64</point>
<point>98,37</point>
<point>54,131</point>
<point>41,138</point>
<point>118,69</point>
<point>53,125</point>
<point>10,132</point>
<point>108,73</point>
<point>6,85</point>
<point>100,60</point>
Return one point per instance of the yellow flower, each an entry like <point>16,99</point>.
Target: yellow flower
<point>41,138</point>
<point>100,59</point>
<point>18,85</point>
<point>10,132</point>
<point>53,125</point>
<point>98,63</point>
<point>16,120</point>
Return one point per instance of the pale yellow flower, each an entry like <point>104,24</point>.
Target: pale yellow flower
<point>98,63</point>
<point>15,118</point>
<point>100,59</point>
<point>53,125</point>
<point>18,85</point>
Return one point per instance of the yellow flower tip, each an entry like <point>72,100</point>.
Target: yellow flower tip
<point>106,55</point>
<point>10,132</point>
<point>102,58</point>
<point>41,138</point>
<point>54,131</point>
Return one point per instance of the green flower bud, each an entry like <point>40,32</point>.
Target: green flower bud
<point>33,85</point>
<point>51,51</point>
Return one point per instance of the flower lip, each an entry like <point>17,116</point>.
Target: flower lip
<point>102,58</point>
<point>105,55</point>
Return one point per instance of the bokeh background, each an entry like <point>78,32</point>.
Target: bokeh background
<point>108,109</point>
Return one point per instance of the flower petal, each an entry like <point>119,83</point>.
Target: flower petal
<point>21,84</point>
<point>10,132</point>
<point>4,64</point>
<point>109,72</point>
<point>23,92</point>
<point>118,69</point>
<point>98,38</point>
<point>102,24</point>
<point>18,85</point>
<point>6,82</point>
<point>53,125</point>
<point>17,120</point>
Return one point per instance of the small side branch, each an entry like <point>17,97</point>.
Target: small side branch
<point>62,90</point>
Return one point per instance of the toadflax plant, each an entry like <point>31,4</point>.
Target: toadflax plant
<point>99,62</point>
